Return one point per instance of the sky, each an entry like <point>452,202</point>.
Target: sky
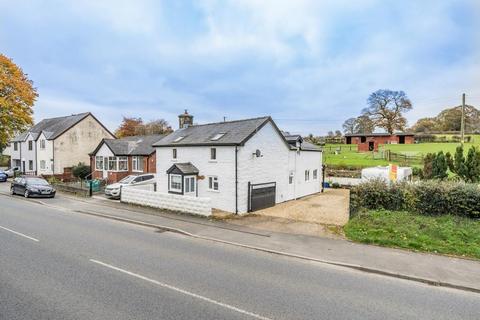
<point>308,64</point>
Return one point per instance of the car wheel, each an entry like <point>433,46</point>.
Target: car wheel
<point>26,194</point>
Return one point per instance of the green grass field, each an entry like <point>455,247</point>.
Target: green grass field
<point>348,156</point>
<point>442,234</point>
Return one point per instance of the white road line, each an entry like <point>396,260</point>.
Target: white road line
<point>19,234</point>
<point>188,293</point>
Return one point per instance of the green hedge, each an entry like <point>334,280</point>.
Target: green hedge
<point>425,197</point>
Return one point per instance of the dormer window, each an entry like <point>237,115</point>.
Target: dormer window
<point>178,139</point>
<point>217,136</point>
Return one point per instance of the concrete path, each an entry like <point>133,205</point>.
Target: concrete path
<point>433,269</point>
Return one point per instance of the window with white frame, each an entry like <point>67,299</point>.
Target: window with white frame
<point>290,177</point>
<point>137,163</point>
<point>213,153</point>
<point>123,163</point>
<point>174,153</point>
<point>30,164</point>
<point>213,183</point>
<point>315,174</point>
<point>112,163</point>
<point>175,183</point>
<point>42,144</point>
<point>15,146</point>
<point>30,145</point>
<point>99,163</point>
<point>42,164</point>
<point>307,175</point>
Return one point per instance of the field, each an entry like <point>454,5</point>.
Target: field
<point>348,157</point>
<point>442,234</point>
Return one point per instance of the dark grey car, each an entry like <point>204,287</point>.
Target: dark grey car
<point>32,187</point>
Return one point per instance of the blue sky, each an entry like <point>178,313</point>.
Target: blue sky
<point>308,64</point>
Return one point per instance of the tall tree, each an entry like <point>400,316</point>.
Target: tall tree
<point>17,97</point>
<point>159,126</point>
<point>364,124</point>
<point>129,127</point>
<point>386,108</point>
<point>349,125</point>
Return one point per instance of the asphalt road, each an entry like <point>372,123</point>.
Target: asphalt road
<point>58,265</point>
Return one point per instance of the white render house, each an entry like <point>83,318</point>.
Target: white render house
<point>56,143</point>
<point>241,166</point>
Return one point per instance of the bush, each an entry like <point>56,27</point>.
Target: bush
<point>425,197</point>
<point>81,171</point>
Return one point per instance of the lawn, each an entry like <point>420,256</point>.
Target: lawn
<point>441,234</point>
<point>424,148</point>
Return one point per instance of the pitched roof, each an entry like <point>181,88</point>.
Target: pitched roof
<point>52,127</point>
<point>183,168</point>
<point>134,145</point>
<point>380,134</point>
<point>234,133</point>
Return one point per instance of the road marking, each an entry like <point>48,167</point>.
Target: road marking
<point>19,234</point>
<point>188,293</point>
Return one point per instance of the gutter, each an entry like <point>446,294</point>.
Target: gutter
<point>236,179</point>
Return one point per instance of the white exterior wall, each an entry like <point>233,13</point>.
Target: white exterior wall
<point>195,205</point>
<point>28,155</point>
<point>45,155</point>
<point>223,168</point>
<point>104,151</point>
<point>298,163</point>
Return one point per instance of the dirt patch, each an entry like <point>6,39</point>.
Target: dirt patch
<point>328,208</point>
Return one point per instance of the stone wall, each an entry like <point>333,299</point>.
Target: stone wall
<point>148,198</point>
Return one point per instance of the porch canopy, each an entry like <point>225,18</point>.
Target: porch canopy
<point>184,169</point>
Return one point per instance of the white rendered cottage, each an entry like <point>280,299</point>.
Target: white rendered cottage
<point>242,165</point>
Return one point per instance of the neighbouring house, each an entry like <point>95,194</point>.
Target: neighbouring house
<point>114,159</point>
<point>54,144</point>
<point>371,141</point>
<point>242,165</point>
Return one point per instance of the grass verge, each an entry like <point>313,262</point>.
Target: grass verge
<point>441,234</point>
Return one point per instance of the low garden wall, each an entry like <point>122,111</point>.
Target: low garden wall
<point>149,198</point>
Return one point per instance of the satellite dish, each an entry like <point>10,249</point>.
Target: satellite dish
<point>258,154</point>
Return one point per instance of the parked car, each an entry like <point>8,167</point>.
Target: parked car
<point>3,176</point>
<point>30,186</point>
<point>11,172</point>
<point>114,190</point>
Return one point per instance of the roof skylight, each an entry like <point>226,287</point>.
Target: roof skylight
<point>217,136</point>
<point>178,139</point>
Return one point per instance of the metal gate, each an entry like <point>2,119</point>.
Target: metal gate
<point>261,195</point>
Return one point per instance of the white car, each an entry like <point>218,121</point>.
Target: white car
<point>11,172</point>
<point>114,190</point>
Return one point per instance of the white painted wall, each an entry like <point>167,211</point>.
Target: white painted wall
<point>104,151</point>
<point>45,155</point>
<point>223,168</point>
<point>196,205</point>
<point>28,155</point>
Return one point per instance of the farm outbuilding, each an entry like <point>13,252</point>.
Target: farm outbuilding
<point>371,141</point>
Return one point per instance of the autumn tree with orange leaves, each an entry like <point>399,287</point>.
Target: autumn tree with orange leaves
<point>17,97</point>
<point>136,127</point>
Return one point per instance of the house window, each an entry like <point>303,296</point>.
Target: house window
<point>99,163</point>
<point>290,177</point>
<point>363,139</point>
<point>213,153</point>
<point>137,163</point>
<point>42,164</point>
<point>307,175</point>
<point>30,145</point>
<point>112,163</point>
<point>30,164</point>
<point>189,184</point>
<point>42,144</point>
<point>15,146</point>
<point>176,183</point>
<point>122,163</point>
<point>315,174</point>
<point>213,183</point>
<point>174,153</point>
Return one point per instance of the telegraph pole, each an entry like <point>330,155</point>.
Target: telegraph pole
<point>462,127</point>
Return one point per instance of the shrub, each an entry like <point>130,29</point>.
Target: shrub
<point>81,171</point>
<point>425,197</point>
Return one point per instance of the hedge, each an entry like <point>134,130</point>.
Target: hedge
<point>425,197</point>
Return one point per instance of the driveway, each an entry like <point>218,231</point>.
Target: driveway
<point>330,207</point>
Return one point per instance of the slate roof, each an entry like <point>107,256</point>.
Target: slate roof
<point>381,134</point>
<point>235,133</point>
<point>183,168</point>
<point>52,127</point>
<point>131,146</point>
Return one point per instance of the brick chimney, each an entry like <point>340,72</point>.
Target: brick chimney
<point>185,120</point>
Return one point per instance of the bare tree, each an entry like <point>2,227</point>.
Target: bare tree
<point>349,125</point>
<point>385,109</point>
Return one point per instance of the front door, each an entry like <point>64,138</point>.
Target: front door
<point>189,185</point>
<point>105,168</point>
